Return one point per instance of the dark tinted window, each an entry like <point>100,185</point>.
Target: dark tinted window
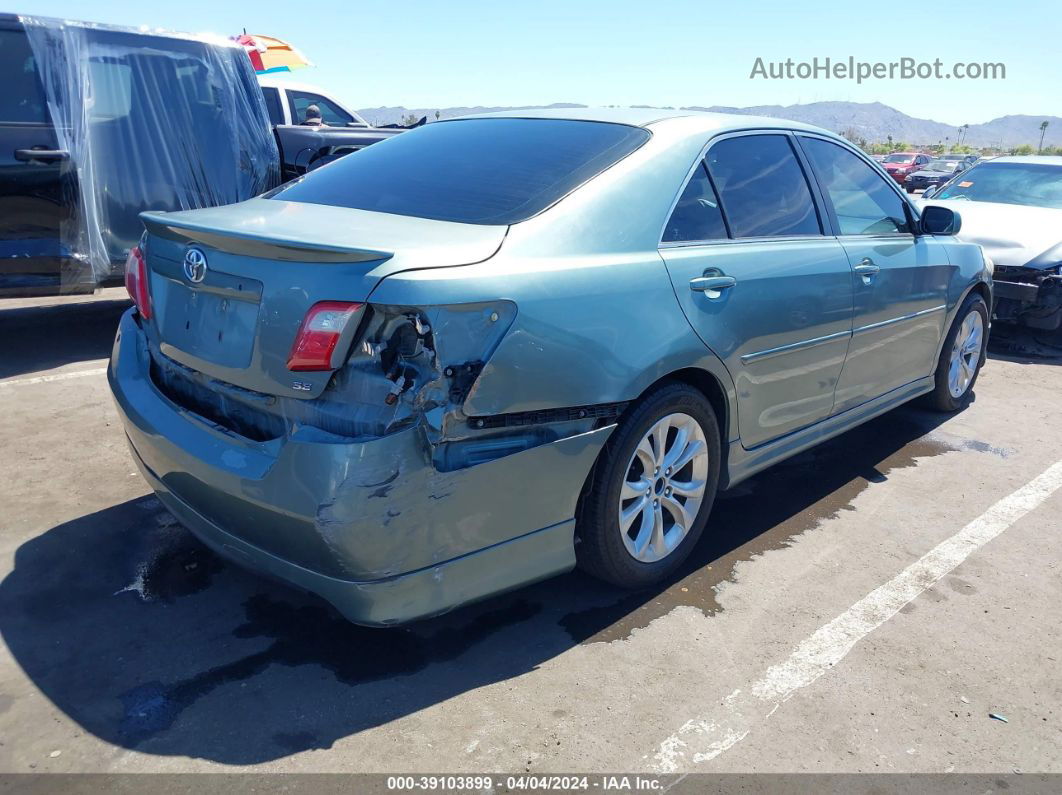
<point>21,99</point>
<point>331,114</point>
<point>862,201</point>
<point>697,215</point>
<point>762,187</point>
<point>272,102</point>
<point>478,171</point>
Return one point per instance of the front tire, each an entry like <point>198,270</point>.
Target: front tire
<point>649,496</point>
<point>962,357</point>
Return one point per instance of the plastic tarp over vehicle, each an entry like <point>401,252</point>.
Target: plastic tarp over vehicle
<point>151,121</point>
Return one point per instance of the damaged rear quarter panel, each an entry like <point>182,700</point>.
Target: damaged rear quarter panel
<point>606,335</point>
<point>393,512</point>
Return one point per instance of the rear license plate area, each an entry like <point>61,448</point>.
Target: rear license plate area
<point>216,321</point>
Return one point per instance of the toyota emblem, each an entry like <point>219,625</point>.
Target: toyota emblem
<point>195,265</point>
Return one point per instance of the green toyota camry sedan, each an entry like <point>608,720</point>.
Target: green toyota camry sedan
<point>494,348</point>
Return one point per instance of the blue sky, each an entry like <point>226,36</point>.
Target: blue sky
<point>666,52</point>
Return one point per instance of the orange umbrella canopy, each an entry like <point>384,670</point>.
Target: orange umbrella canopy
<point>268,54</point>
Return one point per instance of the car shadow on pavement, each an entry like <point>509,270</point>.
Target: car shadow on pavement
<point>43,337</point>
<point>148,641</point>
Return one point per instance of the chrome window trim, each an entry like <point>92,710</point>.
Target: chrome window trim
<point>884,237</point>
<point>739,241</point>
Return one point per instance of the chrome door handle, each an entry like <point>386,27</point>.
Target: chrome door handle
<point>867,269</point>
<point>704,284</point>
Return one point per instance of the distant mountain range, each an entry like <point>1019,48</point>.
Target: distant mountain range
<point>871,120</point>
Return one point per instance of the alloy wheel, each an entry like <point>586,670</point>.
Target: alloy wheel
<point>965,354</point>
<point>663,488</point>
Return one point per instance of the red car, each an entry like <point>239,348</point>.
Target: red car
<point>900,164</point>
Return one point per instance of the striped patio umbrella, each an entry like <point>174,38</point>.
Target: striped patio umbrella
<point>271,55</point>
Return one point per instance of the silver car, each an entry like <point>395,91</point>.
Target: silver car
<point>491,349</point>
<point>1012,208</point>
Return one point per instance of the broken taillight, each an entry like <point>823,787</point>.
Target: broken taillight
<point>319,334</point>
<point>136,282</point>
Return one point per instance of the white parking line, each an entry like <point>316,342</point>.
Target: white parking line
<point>704,738</point>
<point>43,379</point>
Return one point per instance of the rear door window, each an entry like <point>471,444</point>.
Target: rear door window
<point>762,187</point>
<point>331,113</point>
<point>22,97</point>
<point>110,83</point>
<point>272,101</point>
<point>863,203</point>
<point>696,216</point>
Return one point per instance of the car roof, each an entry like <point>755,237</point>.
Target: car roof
<point>1046,160</point>
<point>214,39</point>
<point>269,81</point>
<point>644,117</point>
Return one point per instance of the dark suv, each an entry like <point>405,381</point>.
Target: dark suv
<point>33,172</point>
<point>166,122</point>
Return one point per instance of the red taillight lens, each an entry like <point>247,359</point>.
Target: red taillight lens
<point>319,334</point>
<point>136,282</point>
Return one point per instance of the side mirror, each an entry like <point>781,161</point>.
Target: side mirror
<point>928,192</point>
<point>937,220</point>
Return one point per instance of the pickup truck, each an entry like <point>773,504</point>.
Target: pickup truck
<point>303,147</point>
<point>168,122</point>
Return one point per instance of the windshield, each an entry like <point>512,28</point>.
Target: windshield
<point>1031,184</point>
<point>899,158</point>
<point>475,171</point>
<point>941,165</point>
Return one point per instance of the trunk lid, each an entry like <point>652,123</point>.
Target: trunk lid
<point>266,263</point>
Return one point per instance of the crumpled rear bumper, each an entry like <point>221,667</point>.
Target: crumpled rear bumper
<point>371,525</point>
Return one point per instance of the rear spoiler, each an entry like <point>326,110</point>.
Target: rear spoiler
<point>255,244</point>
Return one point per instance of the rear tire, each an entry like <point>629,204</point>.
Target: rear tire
<point>649,495</point>
<point>961,357</point>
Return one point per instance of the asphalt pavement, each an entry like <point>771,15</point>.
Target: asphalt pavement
<point>867,606</point>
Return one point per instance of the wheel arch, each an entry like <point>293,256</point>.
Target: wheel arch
<point>979,287</point>
<point>719,397</point>
<point>710,385</point>
<point>985,292</point>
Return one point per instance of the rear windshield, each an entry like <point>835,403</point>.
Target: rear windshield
<point>475,171</point>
